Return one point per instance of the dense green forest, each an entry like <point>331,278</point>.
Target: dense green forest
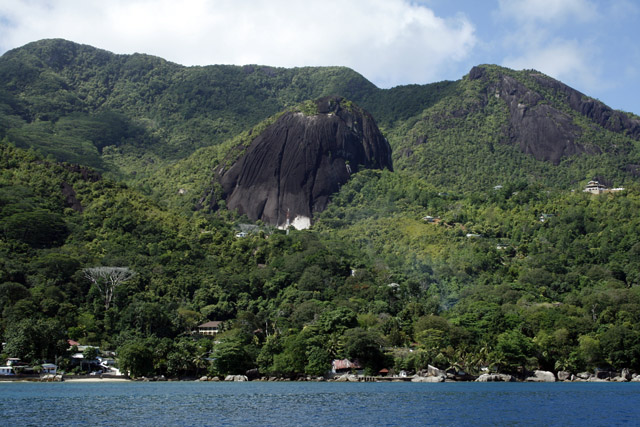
<point>471,255</point>
<point>370,281</point>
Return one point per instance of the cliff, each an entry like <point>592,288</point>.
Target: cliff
<point>292,168</point>
<point>544,128</point>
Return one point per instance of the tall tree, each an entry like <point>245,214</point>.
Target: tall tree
<point>107,279</point>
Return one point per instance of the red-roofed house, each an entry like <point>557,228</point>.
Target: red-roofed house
<point>345,365</point>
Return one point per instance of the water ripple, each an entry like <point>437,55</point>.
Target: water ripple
<point>318,404</point>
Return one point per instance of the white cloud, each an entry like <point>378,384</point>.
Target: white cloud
<point>567,61</point>
<point>540,34</point>
<point>388,41</point>
<point>547,10</point>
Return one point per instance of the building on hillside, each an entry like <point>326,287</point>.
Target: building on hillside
<point>431,219</point>
<point>594,187</point>
<point>545,217</point>
<point>210,328</point>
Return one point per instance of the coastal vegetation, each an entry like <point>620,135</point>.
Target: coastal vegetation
<point>470,255</point>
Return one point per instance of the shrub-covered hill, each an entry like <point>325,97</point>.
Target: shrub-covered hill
<point>486,282</point>
<point>143,106</point>
<point>497,125</point>
<point>135,114</point>
<point>475,252</point>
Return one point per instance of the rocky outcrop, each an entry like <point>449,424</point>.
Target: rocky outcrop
<point>70,198</point>
<point>541,377</point>
<point>51,378</point>
<point>583,375</point>
<point>252,374</point>
<point>535,127</point>
<point>236,378</point>
<point>626,374</point>
<point>430,379</point>
<point>605,375</point>
<point>430,375</point>
<point>292,168</point>
<point>347,378</point>
<point>486,378</point>
<point>594,110</point>
<point>540,127</point>
<point>432,371</point>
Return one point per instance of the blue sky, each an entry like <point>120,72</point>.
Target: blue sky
<point>591,45</point>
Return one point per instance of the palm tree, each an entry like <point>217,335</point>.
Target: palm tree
<point>334,345</point>
<point>200,360</point>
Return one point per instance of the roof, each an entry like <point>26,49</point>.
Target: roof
<point>72,343</point>
<point>345,364</point>
<point>211,324</point>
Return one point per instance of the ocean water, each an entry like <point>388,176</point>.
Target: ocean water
<point>319,404</point>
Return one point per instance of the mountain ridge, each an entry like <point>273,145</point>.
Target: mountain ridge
<point>159,113</point>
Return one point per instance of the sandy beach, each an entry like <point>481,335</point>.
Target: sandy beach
<point>97,379</point>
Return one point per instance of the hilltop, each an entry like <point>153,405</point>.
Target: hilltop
<point>134,114</point>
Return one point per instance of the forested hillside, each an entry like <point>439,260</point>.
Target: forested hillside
<point>133,115</point>
<point>479,250</point>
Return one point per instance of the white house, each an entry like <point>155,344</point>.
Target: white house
<point>594,187</point>
<point>49,368</point>
<point>210,328</point>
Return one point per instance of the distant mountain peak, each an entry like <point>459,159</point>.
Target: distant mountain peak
<point>541,122</point>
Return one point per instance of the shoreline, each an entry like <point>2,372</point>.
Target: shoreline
<point>73,379</point>
<point>97,379</point>
<point>377,380</point>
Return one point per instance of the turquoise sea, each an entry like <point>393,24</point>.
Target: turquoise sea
<point>319,404</point>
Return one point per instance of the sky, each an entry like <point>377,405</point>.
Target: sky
<point>591,45</point>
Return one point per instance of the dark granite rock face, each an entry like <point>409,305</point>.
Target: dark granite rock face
<point>70,198</point>
<point>593,109</point>
<point>544,131</point>
<point>538,128</point>
<point>297,163</point>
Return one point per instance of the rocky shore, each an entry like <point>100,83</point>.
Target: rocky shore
<point>435,375</point>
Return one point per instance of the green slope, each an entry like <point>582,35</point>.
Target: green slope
<point>134,114</point>
<point>174,109</point>
<point>489,284</point>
